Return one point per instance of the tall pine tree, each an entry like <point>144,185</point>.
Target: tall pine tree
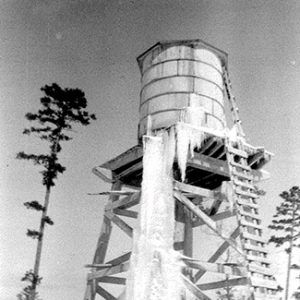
<point>286,222</point>
<point>60,110</point>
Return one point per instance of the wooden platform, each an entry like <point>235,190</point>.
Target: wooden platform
<point>207,169</point>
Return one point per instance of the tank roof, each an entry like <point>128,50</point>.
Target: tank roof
<point>196,43</point>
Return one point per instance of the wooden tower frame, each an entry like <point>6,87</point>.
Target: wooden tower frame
<point>219,162</point>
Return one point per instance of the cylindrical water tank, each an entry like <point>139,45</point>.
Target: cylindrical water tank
<point>179,75</point>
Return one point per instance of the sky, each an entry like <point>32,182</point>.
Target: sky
<point>93,45</point>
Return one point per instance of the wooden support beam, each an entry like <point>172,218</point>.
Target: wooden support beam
<point>126,213</point>
<point>188,240</point>
<point>216,267</point>
<point>217,254</point>
<point>105,233</point>
<point>223,283</point>
<point>104,293</point>
<point>120,223</point>
<point>120,259</point>
<point>125,158</point>
<point>112,279</point>
<point>194,289</point>
<point>208,221</point>
<point>192,189</point>
<point>125,202</point>
<point>206,163</point>
<point>220,216</point>
<point>178,246</point>
<point>130,170</point>
<point>122,295</point>
<point>109,271</point>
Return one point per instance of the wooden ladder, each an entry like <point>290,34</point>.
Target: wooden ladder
<point>252,242</point>
<point>232,102</point>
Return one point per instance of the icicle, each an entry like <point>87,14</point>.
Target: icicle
<point>155,270</point>
<point>227,190</point>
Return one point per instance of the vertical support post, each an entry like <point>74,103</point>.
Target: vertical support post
<point>102,245</point>
<point>188,240</point>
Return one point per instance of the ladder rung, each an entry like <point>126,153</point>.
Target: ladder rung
<point>245,203</point>
<point>258,258</point>
<point>245,167</point>
<point>249,246</point>
<point>244,184</point>
<point>242,175</point>
<point>260,269</point>
<point>252,215</point>
<point>246,193</point>
<point>238,152</point>
<point>249,236</point>
<point>249,224</point>
<point>270,284</point>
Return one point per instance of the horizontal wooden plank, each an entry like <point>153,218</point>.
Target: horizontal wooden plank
<point>243,184</point>
<point>237,165</point>
<point>206,163</point>
<point>126,213</point>
<point>220,216</point>
<point>120,259</point>
<point>254,237</point>
<point>215,267</point>
<point>104,293</point>
<point>208,221</point>
<point>249,246</point>
<point>194,289</point>
<point>224,246</point>
<point>258,259</point>
<point>125,202</point>
<point>192,189</point>
<point>125,158</point>
<point>223,283</point>
<point>120,223</point>
<point>270,284</point>
<point>245,175</point>
<point>178,246</point>
<point>253,267</point>
<point>238,152</point>
<point>99,266</point>
<point>110,271</point>
<point>112,279</point>
<point>262,296</point>
<point>130,170</point>
<point>244,202</point>
<point>252,215</point>
<point>246,193</point>
<point>250,224</point>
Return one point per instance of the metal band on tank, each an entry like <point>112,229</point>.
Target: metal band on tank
<point>186,93</point>
<point>182,59</point>
<point>179,76</point>
<point>178,109</point>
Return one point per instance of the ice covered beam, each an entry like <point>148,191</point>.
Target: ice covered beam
<point>223,283</point>
<point>206,163</point>
<point>208,221</point>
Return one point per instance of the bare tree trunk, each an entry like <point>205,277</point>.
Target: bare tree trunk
<point>290,253</point>
<point>40,245</point>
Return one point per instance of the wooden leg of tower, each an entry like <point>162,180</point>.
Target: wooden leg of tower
<point>188,240</point>
<point>102,244</point>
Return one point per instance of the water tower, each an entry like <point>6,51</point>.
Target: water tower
<point>184,86</point>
